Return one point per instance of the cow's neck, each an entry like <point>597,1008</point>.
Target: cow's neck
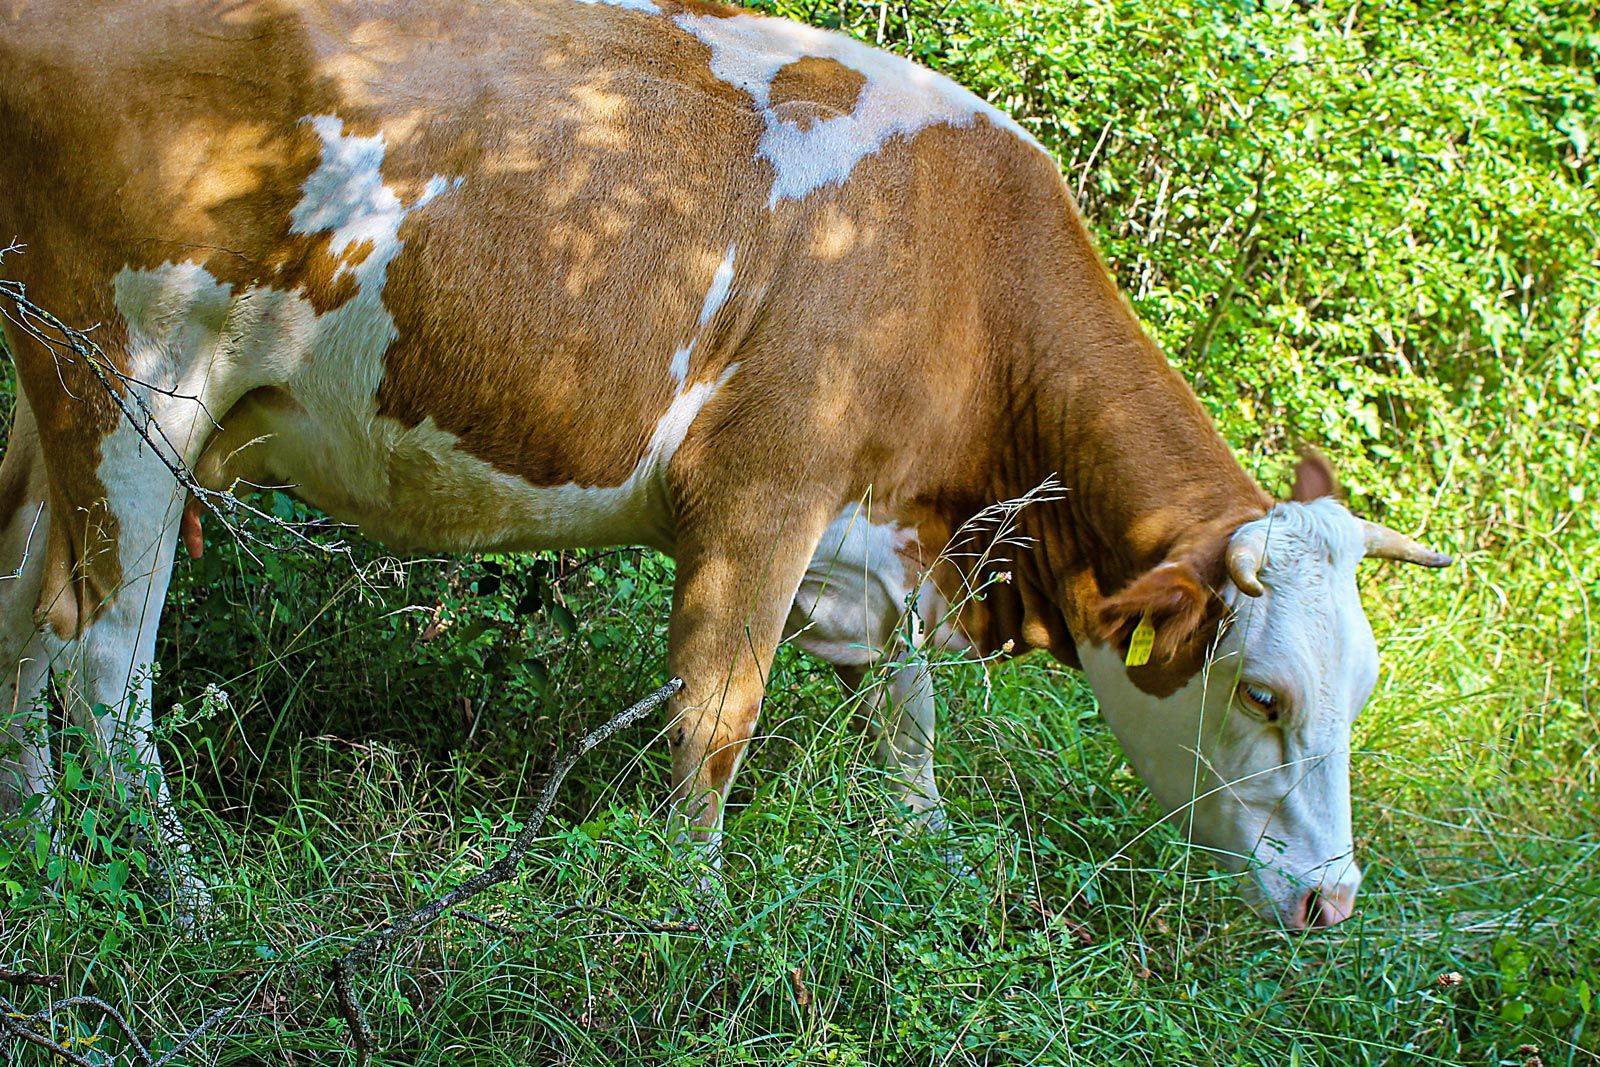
<point>1144,475</point>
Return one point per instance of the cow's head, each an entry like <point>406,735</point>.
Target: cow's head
<point>1242,730</point>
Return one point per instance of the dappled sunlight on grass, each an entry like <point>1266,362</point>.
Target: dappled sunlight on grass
<point>1370,227</point>
<point>1052,922</point>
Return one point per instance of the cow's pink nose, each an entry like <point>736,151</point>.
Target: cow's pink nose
<point>1320,909</point>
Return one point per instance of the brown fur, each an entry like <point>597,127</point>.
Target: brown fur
<point>1313,478</point>
<point>938,328</point>
<point>816,88</point>
<point>1171,596</point>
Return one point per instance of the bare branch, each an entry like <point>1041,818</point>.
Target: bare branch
<point>361,955</point>
<point>654,926</point>
<point>651,926</point>
<point>36,1030</point>
<point>69,345</point>
<point>49,981</point>
<point>27,1034</point>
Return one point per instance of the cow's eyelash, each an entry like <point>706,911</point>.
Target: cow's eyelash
<point>1262,699</point>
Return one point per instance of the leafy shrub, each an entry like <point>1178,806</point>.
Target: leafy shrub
<point>1371,227</point>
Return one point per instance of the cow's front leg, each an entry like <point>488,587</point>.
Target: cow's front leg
<point>901,714</point>
<point>738,570</point>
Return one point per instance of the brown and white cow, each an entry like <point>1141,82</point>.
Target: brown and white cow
<point>516,275</point>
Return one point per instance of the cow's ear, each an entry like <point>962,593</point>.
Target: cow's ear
<point>1313,478</point>
<point>1172,596</point>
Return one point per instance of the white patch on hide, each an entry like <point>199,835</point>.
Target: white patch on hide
<point>193,334</point>
<point>679,367</point>
<point>473,505</point>
<point>635,5</point>
<point>195,346</point>
<point>899,98</point>
<point>716,296</point>
<point>346,196</point>
<point>855,592</point>
<point>721,286</point>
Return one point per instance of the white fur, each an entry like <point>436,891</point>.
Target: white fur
<point>716,296</point>
<point>1273,798</point>
<point>473,505</point>
<point>635,5</point>
<point>855,607</point>
<point>898,99</point>
<point>679,367</point>
<point>855,592</point>
<point>721,286</point>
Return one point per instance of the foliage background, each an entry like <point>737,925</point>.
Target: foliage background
<point>1371,226</point>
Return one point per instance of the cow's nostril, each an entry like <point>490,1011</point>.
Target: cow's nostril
<point>1306,911</point>
<point>1318,911</point>
<point>1313,911</point>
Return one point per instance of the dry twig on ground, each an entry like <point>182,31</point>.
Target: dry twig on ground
<point>36,1029</point>
<point>362,954</point>
<point>11,977</point>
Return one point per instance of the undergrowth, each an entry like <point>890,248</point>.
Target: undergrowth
<point>1368,226</point>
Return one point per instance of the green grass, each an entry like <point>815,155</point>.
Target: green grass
<point>1083,934</point>
<point>1399,200</point>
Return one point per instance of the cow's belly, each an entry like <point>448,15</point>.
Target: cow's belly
<point>300,371</point>
<point>415,488</point>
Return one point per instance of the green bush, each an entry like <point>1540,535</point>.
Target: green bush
<point>1371,227</point>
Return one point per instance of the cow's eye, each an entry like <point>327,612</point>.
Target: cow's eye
<point>1260,698</point>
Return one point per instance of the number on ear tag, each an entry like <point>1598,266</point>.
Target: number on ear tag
<point>1142,641</point>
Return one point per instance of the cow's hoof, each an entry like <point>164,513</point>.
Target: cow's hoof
<point>192,905</point>
<point>930,820</point>
<point>955,861</point>
<point>708,897</point>
<point>182,890</point>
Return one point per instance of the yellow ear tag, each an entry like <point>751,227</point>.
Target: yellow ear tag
<point>1142,641</point>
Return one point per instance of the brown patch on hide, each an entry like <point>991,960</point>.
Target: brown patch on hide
<point>1173,598</point>
<point>828,85</point>
<point>1179,597</point>
<point>306,264</point>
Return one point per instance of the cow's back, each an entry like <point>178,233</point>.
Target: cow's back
<point>472,276</point>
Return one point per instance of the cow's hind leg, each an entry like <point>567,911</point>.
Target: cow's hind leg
<point>105,673</point>
<point>106,676</point>
<point>25,768</point>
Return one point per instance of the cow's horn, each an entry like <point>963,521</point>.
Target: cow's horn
<point>1384,543</point>
<point>1244,556</point>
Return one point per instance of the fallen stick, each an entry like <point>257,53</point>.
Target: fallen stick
<point>49,981</point>
<point>364,951</point>
<point>19,1026</point>
<point>649,926</point>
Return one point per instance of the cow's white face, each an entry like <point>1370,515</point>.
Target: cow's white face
<point>1252,756</point>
